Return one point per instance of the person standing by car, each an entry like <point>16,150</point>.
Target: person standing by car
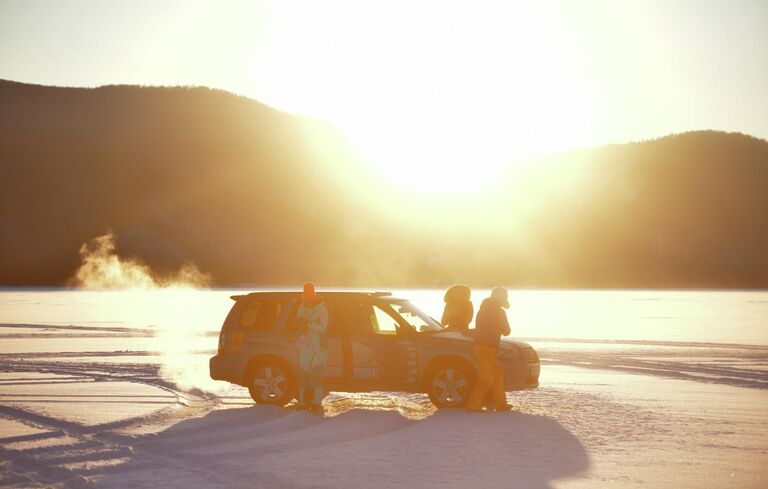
<point>312,318</point>
<point>490,325</point>
<point>458,310</point>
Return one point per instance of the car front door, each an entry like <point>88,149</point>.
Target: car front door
<point>383,356</point>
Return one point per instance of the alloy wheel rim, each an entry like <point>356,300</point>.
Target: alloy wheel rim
<point>269,383</point>
<point>450,386</point>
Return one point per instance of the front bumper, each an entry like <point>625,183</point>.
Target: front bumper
<point>520,375</point>
<point>533,376</point>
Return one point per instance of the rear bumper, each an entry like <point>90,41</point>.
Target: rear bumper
<point>229,368</point>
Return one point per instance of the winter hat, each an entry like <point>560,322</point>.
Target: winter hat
<point>501,295</point>
<point>457,293</point>
<point>309,292</point>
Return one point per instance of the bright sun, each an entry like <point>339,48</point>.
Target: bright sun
<point>437,96</point>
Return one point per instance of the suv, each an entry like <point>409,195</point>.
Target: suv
<point>376,342</point>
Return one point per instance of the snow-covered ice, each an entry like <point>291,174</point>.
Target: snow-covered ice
<point>103,406</point>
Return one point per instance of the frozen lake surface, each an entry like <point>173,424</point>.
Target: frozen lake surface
<point>638,388</point>
<point>739,317</point>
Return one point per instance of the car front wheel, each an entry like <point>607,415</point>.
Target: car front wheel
<point>271,383</point>
<point>449,386</point>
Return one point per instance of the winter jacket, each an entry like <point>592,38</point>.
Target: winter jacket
<point>491,324</point>
<point>458,315</point>
<point>313,342</point>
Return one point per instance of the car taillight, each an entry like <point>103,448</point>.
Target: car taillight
<point>231,341</point>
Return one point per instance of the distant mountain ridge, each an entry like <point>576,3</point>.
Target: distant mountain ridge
<point>252,195</point>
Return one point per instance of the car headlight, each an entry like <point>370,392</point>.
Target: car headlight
<point>508,354</point>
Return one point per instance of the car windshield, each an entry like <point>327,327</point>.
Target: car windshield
<point>415,317</point>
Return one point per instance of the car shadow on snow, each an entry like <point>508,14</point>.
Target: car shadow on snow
<point>278,448</point>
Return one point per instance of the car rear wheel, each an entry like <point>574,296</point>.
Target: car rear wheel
<point>449,386</point>
<point>271,383</point>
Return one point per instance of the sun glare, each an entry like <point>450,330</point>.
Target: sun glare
<point>437,97</point>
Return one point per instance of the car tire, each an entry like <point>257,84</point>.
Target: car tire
<point>449,385</point>
<point>271,382</point>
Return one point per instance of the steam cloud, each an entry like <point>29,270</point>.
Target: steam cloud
<point>102,268</point>
<point>169,304</point>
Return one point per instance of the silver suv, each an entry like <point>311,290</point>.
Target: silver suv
<point>376,342</point>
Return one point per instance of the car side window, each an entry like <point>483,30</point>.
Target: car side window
<point>357,318</point>
<point>250,314</point>
<point>261,315</point>
<point>383,323</point>
<point>290,323</point>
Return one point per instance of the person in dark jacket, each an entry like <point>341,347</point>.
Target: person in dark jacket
<point>490,325</point>
<point>458,310</point>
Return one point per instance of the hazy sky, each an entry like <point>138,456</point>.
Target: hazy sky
<point>444,79</point>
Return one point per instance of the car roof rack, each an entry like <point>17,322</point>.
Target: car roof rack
<point>381,294</point>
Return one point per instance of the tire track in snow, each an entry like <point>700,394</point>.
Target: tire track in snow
<point>72,452</point>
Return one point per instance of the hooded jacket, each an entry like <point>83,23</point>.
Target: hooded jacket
<point>457,315</point>
<point>491,324</point>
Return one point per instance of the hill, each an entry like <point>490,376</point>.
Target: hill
<point>252,195</point>
<point>686,210</point>
<point>177,174</point>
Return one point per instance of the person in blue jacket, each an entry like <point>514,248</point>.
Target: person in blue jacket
<point>312,318</point>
